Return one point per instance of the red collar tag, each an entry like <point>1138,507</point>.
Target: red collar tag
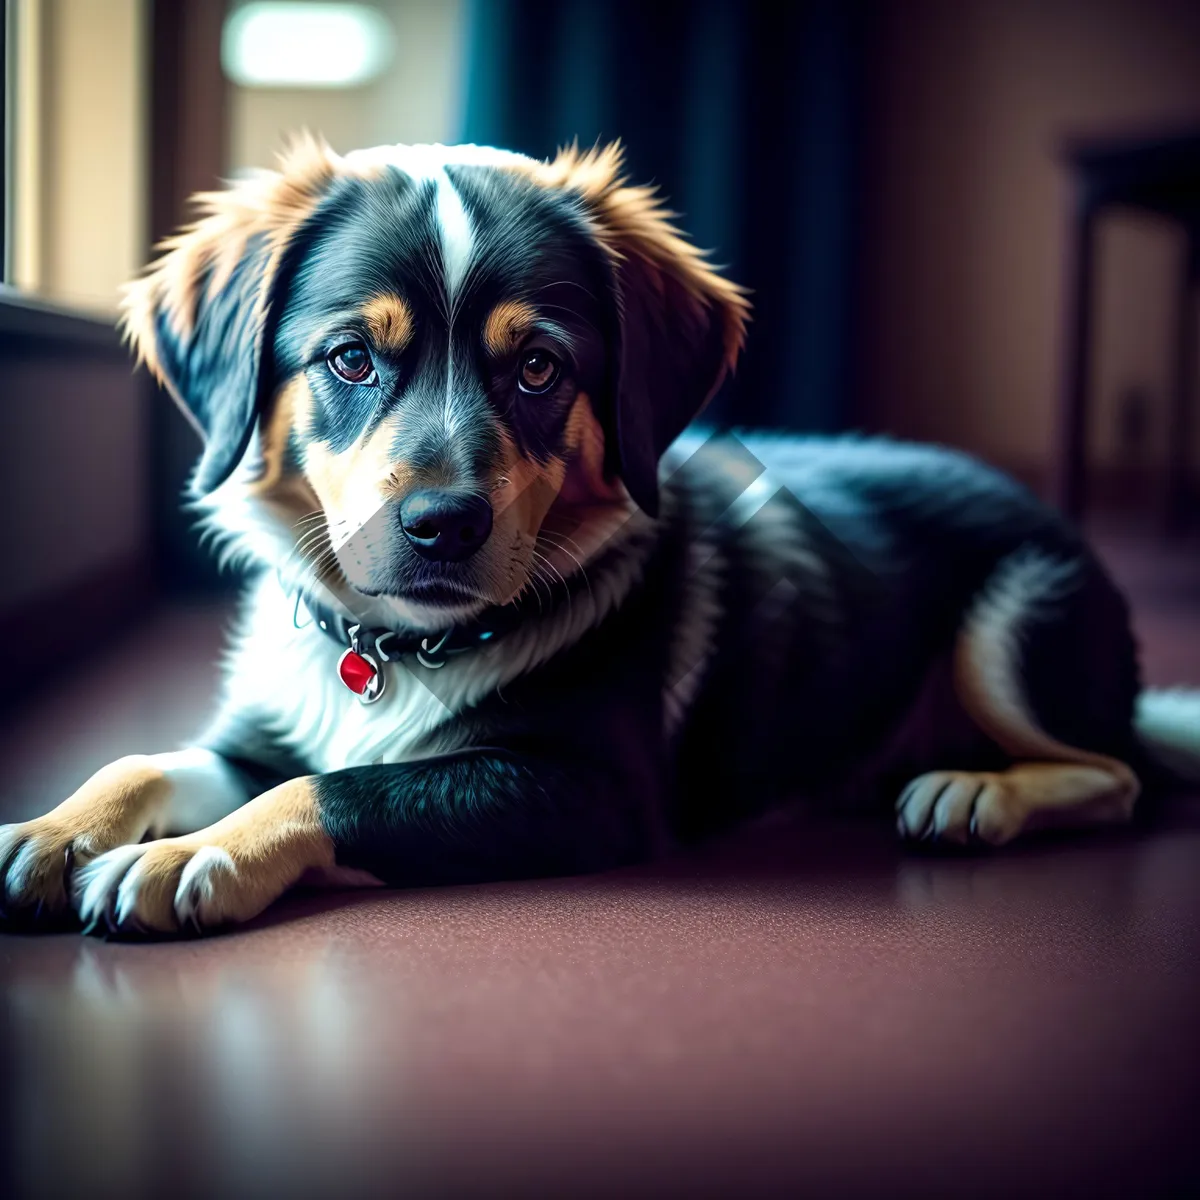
<point>360,673</point>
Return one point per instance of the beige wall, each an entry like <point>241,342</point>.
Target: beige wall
<point>417,100</point>
<point>81,209</point>
<point>966,223</point>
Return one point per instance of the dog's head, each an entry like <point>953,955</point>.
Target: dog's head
<point>402,361</point>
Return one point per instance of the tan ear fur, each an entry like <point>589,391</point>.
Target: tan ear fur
<point>272,203</point>
<point>633,220</point>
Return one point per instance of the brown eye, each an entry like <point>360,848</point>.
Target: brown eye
<point>352,362</point>
<point>539,371</point>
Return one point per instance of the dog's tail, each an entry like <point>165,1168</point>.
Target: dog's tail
<point>1168,726</point>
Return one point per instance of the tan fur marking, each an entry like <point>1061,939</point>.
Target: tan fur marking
<point>585,482</point>
<point>530,489</point>
<point>522,493</point>
<point>1052,795</point>
<point>389,321</point>
<point>507,325</point>
<point>351,487</point>
<point>273,205</point>
<point>120,798</point>
<point>286,493</point>
<point>276,431</point>
<point>356,481</point>
<point>591,508</point>
<point>272,842</point>
<point>327,472</point>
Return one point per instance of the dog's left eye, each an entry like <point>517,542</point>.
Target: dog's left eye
<point>352,362</point>
<point>539,371</point>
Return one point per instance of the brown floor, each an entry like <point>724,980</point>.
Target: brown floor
<point>798,1009</point>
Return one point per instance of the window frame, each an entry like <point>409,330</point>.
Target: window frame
<point>7,15</point>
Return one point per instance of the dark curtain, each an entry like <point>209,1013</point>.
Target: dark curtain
<point>746,115</point>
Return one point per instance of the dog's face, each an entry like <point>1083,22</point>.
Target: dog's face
<point>440,373</point>
<point>439,349</point>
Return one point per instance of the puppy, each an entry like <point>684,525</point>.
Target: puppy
<point>502,620</point>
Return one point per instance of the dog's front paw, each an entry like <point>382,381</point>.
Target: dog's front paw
<point>217,876</point>
<point>37,857</point>
<point>163,888</point>
<point>958,807</point>
<point>36,861</point>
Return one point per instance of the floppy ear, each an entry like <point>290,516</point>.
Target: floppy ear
<point>201,315</point>
<point>680,325</point>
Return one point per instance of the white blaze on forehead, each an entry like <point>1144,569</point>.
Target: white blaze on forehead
<point>457,235</point>
<point>429,163</point>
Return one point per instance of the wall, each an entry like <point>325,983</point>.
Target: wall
<point>74,540</point>
<point>73,490</point>
<point>418,99</point>
<point>966,210</point>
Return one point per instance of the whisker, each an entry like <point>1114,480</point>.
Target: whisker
<point>530,584</point>
<point>312,544</point>
<point>541,559</point>
<point>582,571</point>
<point>309,537</point>
<point>562,537</point>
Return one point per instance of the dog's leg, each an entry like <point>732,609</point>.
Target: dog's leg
<point>1035,620</point>
<point>997,806</point>
<point>221,875</point>
<point>118,805</point>
<point>466,817</point>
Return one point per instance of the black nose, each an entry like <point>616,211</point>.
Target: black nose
<point>445,526</point>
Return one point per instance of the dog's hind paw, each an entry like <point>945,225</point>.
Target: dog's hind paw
<point>993,807</point>
<point>958,807</point>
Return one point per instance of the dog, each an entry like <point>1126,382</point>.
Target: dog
<point>507,616</point>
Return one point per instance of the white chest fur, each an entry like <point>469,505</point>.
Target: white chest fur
<point>285,680</point>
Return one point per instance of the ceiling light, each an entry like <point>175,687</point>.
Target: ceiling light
<point>279,45</point>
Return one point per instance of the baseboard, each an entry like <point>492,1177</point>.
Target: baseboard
<point>59,629</point>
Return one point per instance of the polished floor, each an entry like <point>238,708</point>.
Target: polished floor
<point>798,1010</point>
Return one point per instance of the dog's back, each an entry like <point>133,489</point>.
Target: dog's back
<point>843,571</point>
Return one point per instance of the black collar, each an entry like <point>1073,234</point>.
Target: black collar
<point>431,649</point>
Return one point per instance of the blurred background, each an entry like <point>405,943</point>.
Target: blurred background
<point>973,222</point>
<point>965,221</point>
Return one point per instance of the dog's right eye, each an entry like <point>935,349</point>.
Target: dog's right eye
<point>352,362</point>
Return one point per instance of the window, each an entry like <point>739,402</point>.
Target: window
<point>73,199</point>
